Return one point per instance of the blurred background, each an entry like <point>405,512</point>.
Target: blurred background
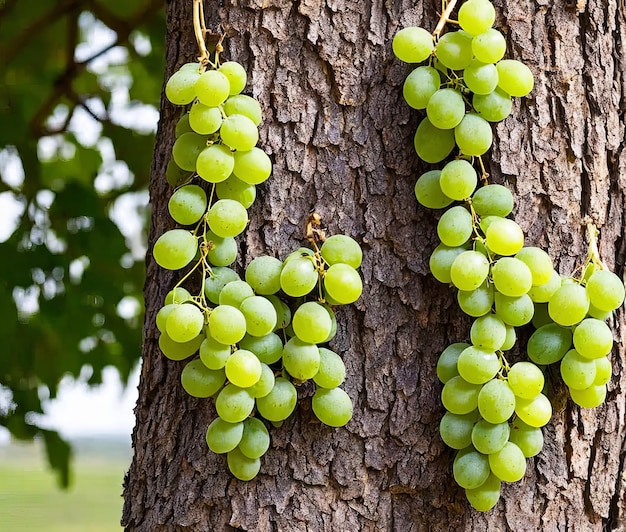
<point>81,84</point>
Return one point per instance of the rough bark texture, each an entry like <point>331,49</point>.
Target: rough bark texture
<point>340,136</point>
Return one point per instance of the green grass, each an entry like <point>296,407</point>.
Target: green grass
<point>30,499</point>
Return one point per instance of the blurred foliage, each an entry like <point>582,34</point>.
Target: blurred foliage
<point>81,84</point>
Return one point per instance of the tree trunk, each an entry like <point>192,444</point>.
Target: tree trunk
<point>340,136</point>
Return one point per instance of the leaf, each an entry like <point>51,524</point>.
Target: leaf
<point>58,452</point>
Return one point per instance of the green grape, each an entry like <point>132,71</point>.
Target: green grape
<point>217,279</point>
<point>174,249</point>
<point>162,314</point>
<point>477,365</point>
<point>420,85</point>
<point>470,468</point>
<point>311,322</point>
<point>496,401</point>
<point>177,296</point>
<point>569,304</point>
<point>543,293</point>
<point>177,350</point>
<point>528,439</point>
<point>268,348</point>
<point>192,66</point>
<point>186,150</point>
<point>486,496</point>
<point>447,361</point>
<point>333,322</point>
<point>227,324</point>
<point>526,380</point>
<point>183,125</point>
<point>282,311</point>
<point>504,236</point>
<point>535,412</point>
<point>469,270</point>
<point>432,144</point>
<point>343,283</point>
<point>200,381</point>
<point>445,108</point>
<point>489,46</point>
<point>477,302</point>
<point>241,466</point>
<point>176,176</point>
<point>412,44</point>
<point>263,274</point>
<point>279,403</point>
<point>514,77</point>
<point>589,397</point>
<point>493,107</point>
<point>541,316</point>
<point>511,338</point>
<point>509,463</point>
<point>493,200</point>
<point>243,368</point>
<point>332,370</point>
<point>342,249</point>
<point>301,359</point>
<point>539,262</point>
<point>481,78</point>
<point>489,438</point>
<point>188,204</point>
<point>455,226</point>
<point>604,371</point>
<point>514,311</point>
<point>204,120</point>
<point>213,354</point>
<point>605,290</point>
<point>236,75</point>
<point>548,344</point>
<point>511,276</point>
<point>235,189</point>
<point>593,338</point>
<point>488,332</point>
<point>227,218</point>
<point>234,404</point>
<point>241,104</point>
<point>441,262</point>
<point>428,191</point>
<point>252,166</point>
<point>223,251</point>
<point>260,315</point>
<point>598,314</point>
<point>222,436</point>
<point>459,396</point>
<point>212,88</point>
<point>180,88</point>
<point>240,133</point>
<point>255,440</point>
<point>265,383</point>
<point>473,135</point>
<point>332,407</point>
<point>476,16</point>
<point>454,50</point>
<point>577,371</point>
<point>234,293</point>
<point>458,179</point>
<point>298,277</point>
<point>215,163</point>
<point>184,323</point>
<point>456,431</point>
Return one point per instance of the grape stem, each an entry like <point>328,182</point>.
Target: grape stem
<point>593,255</point>
<point>200,31</point>
<point>445,17</point>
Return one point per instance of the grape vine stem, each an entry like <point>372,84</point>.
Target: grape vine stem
<point>200,30</point>
<point>445,17</point>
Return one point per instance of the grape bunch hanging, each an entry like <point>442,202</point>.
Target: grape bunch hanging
<point>261,337</point>
<point>495,410</point>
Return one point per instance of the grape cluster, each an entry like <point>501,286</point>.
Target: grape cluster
<point>495,411</point>
<point>259,337</point>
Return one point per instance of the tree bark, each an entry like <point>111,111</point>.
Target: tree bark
<point>340,136</point>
